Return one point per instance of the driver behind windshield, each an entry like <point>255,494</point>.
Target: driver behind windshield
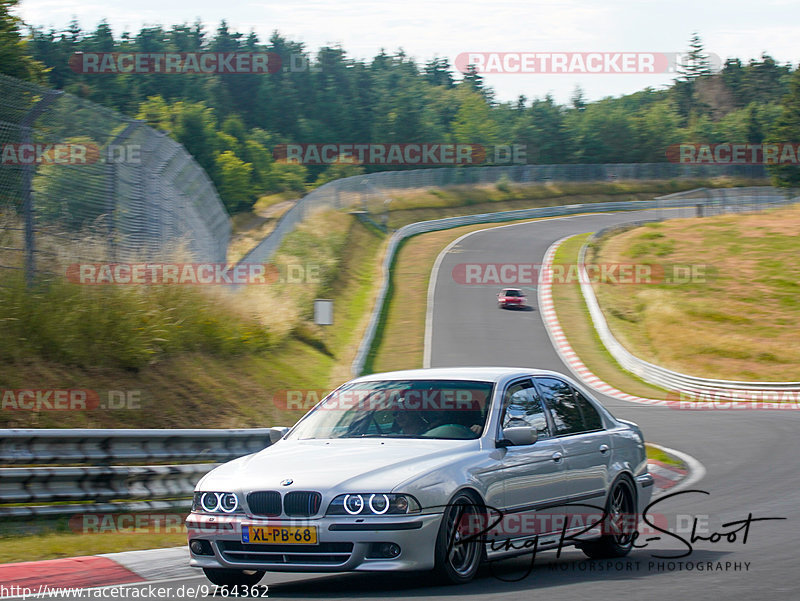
<point>410,422</point>
<point>413,422</point>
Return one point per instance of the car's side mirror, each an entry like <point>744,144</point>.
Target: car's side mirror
<point>518,436</point>
<point>276,433</point>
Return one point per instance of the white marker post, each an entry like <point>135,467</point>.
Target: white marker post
<point>323,312</point>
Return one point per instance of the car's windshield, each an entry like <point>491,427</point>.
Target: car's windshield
<point>513,293</point>
<point>453,409</point>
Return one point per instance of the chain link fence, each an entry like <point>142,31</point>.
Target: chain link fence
<point>81,183</point>
<point>373,191</point>
<point>706,202</point>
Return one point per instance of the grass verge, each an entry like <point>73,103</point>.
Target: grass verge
<point>181,384</point>
<point>192,357</point>
<point>579,330</point>
<point>400,336</point>
<point>724,300</point>
<point>409,206</point>
<point>202,389</point>
<point>400,339</point>
<point>659,455</point>
<point>60,542</point>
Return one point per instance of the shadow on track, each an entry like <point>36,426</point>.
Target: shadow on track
<point>502,577</point>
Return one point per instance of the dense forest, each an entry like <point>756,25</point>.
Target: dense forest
<point>232,122</point>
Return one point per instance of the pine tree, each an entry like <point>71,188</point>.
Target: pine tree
<point>14,58</point>
<point>788,131</point>
<point>577,100</point>
<point>696,63</point>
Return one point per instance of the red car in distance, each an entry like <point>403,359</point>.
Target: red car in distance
<point>511,297</point>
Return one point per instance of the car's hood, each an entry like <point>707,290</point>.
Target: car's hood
<point>355,465</point>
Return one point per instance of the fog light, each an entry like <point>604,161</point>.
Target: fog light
<point>200,547</point>
<point>383,551</point>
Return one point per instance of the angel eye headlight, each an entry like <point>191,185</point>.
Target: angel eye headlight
<point>353,504</point>
<point>375,504</point>
<point>215,502</point>
<point>228,502</point>
<point>209,501</point>
<point>379,504</point>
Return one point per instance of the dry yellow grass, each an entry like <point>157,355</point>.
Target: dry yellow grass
<point>52,545</point>
<point>738,321</point>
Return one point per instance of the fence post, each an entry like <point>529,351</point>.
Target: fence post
<point>26,137</point>
<point>111,184</point>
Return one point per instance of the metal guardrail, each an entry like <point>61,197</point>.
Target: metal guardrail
<point>376,189</point>
<point>421,227</point>
<point>64,488</point>
<point>66,447</point>
<point>690,198</point>
<point>661,376</point>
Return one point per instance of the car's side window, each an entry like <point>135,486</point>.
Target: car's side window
<point>563,405</point>
<point>523,407</point>
<point>591,417</point>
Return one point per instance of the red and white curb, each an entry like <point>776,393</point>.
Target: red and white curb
<point>574,363</point>
<point>168,565</point>
<point>111,569</point>
<point>674,478</point>
<point>667,477</point>
<point>561,344</point>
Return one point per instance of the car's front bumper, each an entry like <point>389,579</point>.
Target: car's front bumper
<point>343,544</point>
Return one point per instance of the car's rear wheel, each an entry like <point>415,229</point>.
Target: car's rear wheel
<point>458,551</point>
<point>619,525</point>
<point>223,577</point>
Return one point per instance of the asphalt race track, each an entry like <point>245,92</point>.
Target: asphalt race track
<point>748,455</point>
<point>751,458</point>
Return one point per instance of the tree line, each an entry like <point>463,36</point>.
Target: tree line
<point>231,123</point>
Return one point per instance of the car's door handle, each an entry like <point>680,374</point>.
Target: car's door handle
<point>604,448</point>
<point>557,457</point>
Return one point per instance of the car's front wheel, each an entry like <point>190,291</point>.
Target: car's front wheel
<point>223,577</point>
<point>620,523</point>
<point>458,551</point>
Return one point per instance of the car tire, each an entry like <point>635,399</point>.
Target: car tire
<point>456,562</point>
<point>621,503</point>
<point>223,577</point>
